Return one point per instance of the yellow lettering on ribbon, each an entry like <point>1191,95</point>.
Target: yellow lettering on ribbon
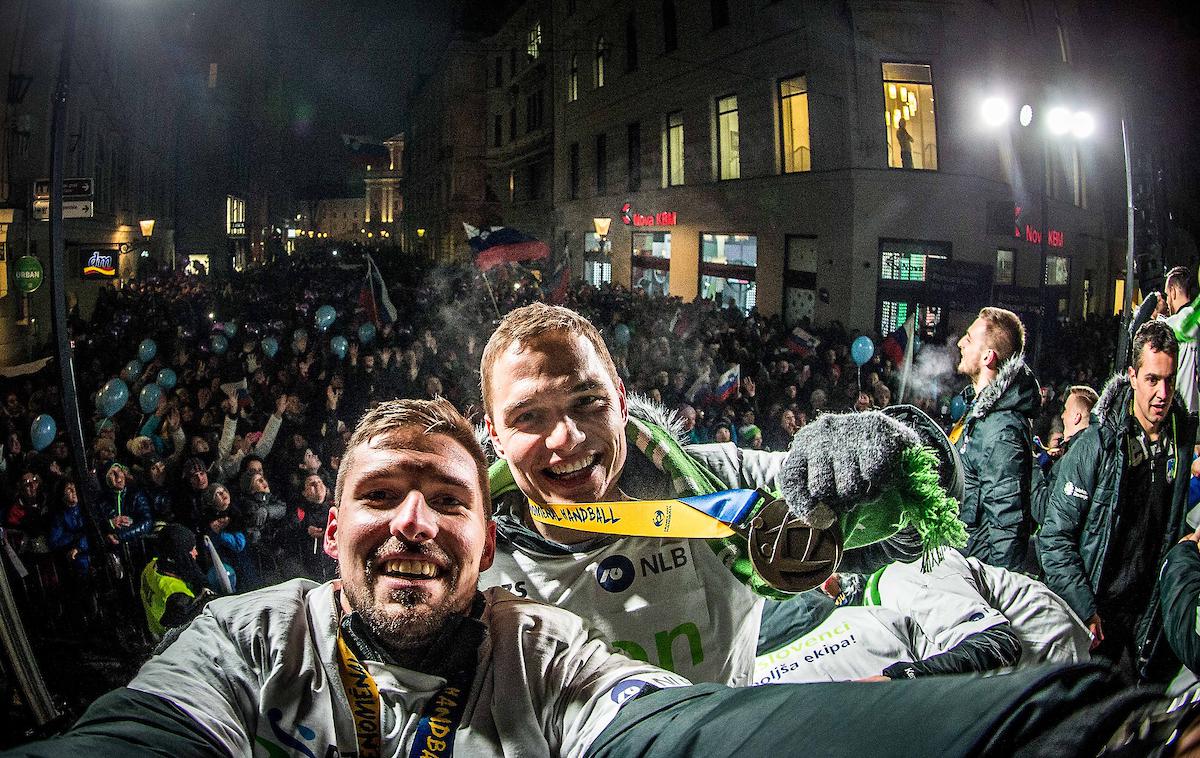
<point>632,518</point>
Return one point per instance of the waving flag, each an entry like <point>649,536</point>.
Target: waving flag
<point>374,299</point>
<point>503,244</point>
<point>727,385</point>
<point>801,342</point>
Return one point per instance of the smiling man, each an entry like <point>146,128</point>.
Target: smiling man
<point>566,432</point>
<point>402,655</point>
<point>1117,504</point>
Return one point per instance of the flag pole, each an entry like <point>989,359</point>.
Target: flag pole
<point>492,295</point>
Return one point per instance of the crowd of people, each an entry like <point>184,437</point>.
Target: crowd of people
<point>226,483</point>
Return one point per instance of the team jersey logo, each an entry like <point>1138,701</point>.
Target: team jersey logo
<point>615,573</point>
<point>627,690</point>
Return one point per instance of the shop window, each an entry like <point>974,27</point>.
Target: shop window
<point>1058,271</point>
<point>903,266</point>
<point>651,263</point>
<point>903,272</point>
<point>1004,266</point>
<point>793,125</point>
<point>728,266</point>
<point>728,160</point>
<point>597,267</point>
<point>909,116</point>
<point>573,80</point>
<point>601,61</point>
<point>673,150</point>
<point>893,313</point>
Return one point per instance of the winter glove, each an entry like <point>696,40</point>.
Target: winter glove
<point>840,460</point>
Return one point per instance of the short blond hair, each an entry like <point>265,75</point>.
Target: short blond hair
<point>435,416</point>
<point>1005,333</point>
<point>1084,394</point>
<point>530,322</point>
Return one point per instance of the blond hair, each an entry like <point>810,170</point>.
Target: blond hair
<point>1005,333</point>
<point>527,324</point>
<point>435,416</point>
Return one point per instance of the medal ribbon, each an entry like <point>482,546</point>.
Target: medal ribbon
<point>696,517</point>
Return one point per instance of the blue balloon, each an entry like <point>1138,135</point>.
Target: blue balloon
<point>113,396</point>
<point>326,315</point>
<point>862,349</point>
<point>148,398</point>
<point>133,369</point>
<point>958,407</point>
<point>166,379</point>
<point>339,345</point>
<point>270,346</point>
<point>366,333</point>
<point>219,343</point>
<point>147,350</point>
<point>42,431</point>
<point>231,329</point>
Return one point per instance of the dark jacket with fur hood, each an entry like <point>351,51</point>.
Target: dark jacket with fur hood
<point>996,447</point>
<point>1083,504</point>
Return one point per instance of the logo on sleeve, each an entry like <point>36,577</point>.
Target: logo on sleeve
<point>615,573</point>
<point>627,690</point>
<point>1070,489</point>
<point>976,617</point>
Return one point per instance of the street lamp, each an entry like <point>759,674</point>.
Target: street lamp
<point>147,227</point>
<point>602,224</point>
<point>1060,121</point>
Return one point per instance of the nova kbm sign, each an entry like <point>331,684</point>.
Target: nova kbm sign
<point>29,274</point>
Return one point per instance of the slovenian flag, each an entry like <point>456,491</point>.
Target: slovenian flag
<point>727,385</point>
<point>374,299</point>
<point>503,244</point>
<point>801,342</point>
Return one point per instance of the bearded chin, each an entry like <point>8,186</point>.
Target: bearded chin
<point>406,622</point>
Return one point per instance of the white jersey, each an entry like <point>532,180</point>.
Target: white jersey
<point>853,643</point>
<point>1185,371</point>
<point>670,602</point>
<point>961,596</point>
<point>259,673</point>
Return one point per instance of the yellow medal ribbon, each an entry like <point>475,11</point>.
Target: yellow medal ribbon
<point>633,518</point>
<point>363,695</point>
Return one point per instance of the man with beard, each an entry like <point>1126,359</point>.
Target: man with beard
<point>402,650</point>
<point>995,438</point>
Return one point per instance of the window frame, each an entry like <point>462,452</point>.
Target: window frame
<point>782,103</point>
<point>720,134</point>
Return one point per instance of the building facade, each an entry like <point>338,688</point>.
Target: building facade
<point>828,161</point>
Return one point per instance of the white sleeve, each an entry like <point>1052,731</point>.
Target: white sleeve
<point>204,674</point>
<point>944,602</point>
<point>592,683</point>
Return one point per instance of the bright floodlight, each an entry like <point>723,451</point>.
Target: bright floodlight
<point>1026,115</point>
<point>995,111</point>
<point>1082,125</point>
<point>1058,120</point>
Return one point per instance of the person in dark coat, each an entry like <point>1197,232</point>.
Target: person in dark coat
<point>995,438</point>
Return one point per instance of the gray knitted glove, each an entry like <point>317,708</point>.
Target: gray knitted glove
<point>840,460</point>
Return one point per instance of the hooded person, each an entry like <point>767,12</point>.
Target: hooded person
<point>125,508</point>
<point>173,588</point>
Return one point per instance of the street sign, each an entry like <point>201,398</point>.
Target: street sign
<point>71,209</point>
<point>75,188</point>
<point>28,273</point>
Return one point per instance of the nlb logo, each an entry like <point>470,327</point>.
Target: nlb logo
<point>615,573</point>
<point>627,690</point>
<point>100,264</point>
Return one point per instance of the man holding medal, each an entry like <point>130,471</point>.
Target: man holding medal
<point>600,509</point>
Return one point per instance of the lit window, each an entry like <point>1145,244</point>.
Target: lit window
<point>573,80</point>
<point>793,124</point>
<point>601,59</point>
<point>728,268</point>
<point>673,150</point>
<point>1004,267</point>
<point>1058,271</point>
<point>909,116</point>
<point>651,263</point>
<point>728,159</point>
<point>533,46</point>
